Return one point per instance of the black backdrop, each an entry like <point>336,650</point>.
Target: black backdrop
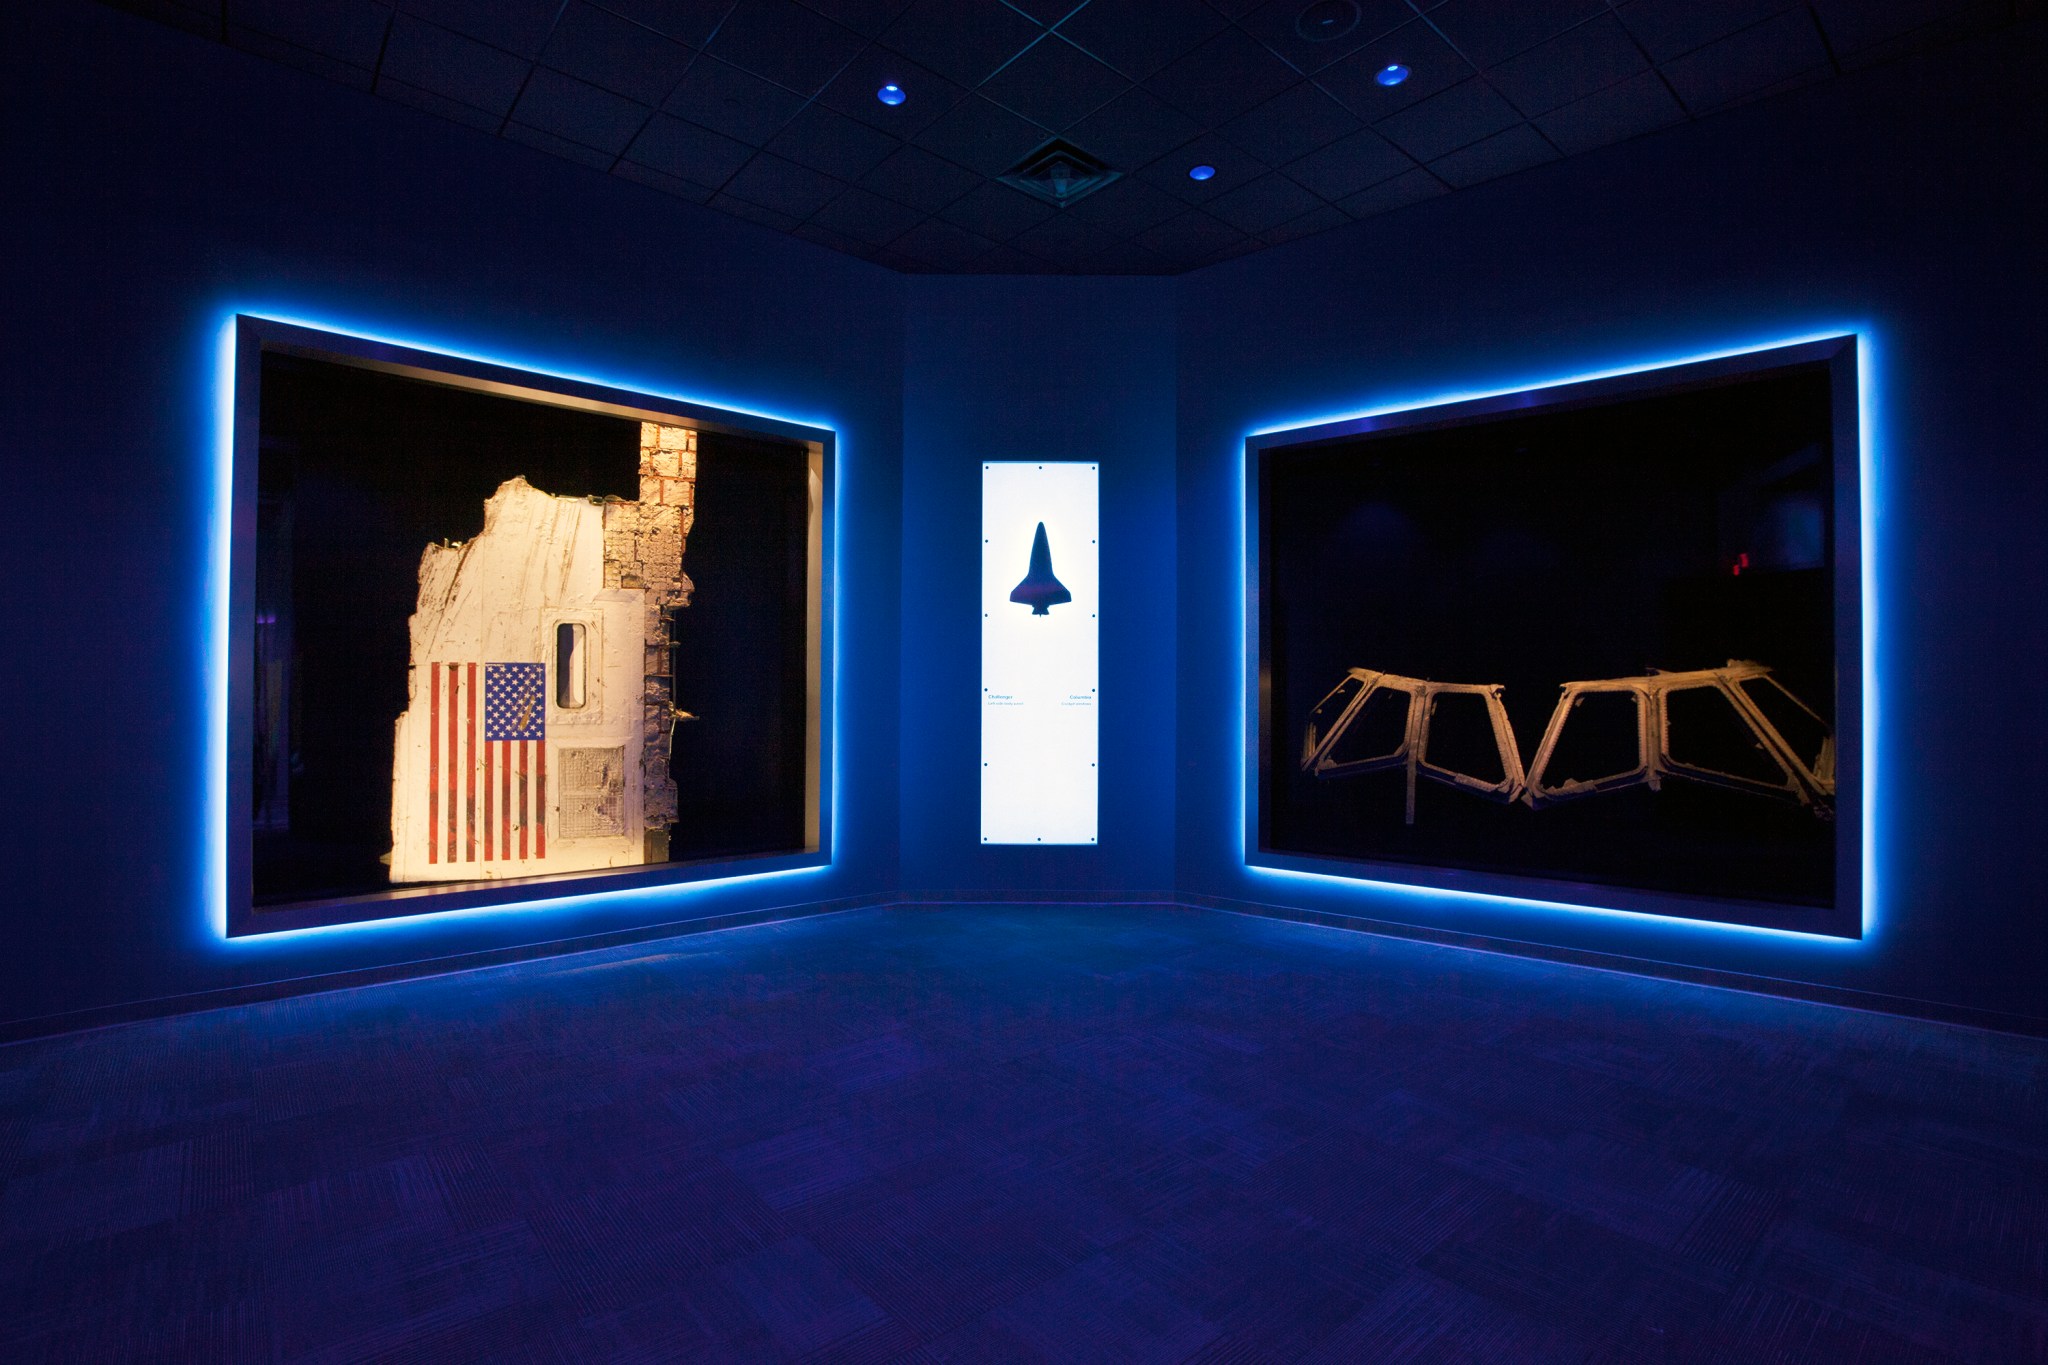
<point>1675,531</point>
<point>364,470</point>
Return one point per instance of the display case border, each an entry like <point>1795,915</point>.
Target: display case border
<point>1852,917</point>
<point>246,338</point>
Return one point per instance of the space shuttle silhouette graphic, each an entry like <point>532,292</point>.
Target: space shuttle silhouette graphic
<point>1040,590</point>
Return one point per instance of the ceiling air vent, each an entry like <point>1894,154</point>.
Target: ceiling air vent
<point>1059,173</point>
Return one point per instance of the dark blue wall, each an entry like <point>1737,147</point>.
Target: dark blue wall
<point>159,182</point>
<point>1037,368</point>
<point>1907,199</point>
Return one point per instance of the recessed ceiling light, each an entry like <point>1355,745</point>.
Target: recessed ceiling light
<point>1326,20</point>
<point>893,93</point>
<point>1201,172</point>
<point>1392,74</point>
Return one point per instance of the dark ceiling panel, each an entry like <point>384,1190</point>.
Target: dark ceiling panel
<point>1265,203</point>
<point>1138,37</point>
<point>1640,105</point>
<point>1290,29</point>
<point>1224,77</point>
<point>433,58</point>
<point>1571,66</point>
<point>689,21</point>
<point>350,31</point>
<point>520,27</point>
<point>579,111</point>
<point>1132,129</point>
<point>1672,28</point>
<point>769,108</point>
<point>1457,118</point>
<point>719,96</point>
<point>598,46</point>
<point>688,152</point>
<point>783,41</point>
<point>1291,124</point>
<point>1491,31</point>
<point>963,40</point>
<point>832,143</point>
<point>981,136</point>
<point>1349,165</point>
<point>916,177</point>
<point>1054,84</point>
<point>1746,64</point>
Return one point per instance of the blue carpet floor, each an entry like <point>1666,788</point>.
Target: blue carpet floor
<point>1026,1135</point>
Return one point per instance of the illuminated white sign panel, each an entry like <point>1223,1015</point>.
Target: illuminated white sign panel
<point>1039,600</point>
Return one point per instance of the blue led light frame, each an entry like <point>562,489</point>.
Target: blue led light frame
<point>1853,918</point>
<point>244,338</point>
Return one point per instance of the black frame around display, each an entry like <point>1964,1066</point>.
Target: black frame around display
<point>252,338</point>
<point>1845,918</point>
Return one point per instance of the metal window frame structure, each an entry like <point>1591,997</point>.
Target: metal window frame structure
<point>1851,917</point>
<point>248,338</point>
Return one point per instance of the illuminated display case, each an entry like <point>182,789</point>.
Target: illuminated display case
<point>498,637</point>
<point>1597,644</point>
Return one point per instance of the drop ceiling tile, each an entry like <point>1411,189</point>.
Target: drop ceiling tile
<point>739,104</point>
<point>1672,28</point>
<point>1315,221</point>
<point>834,241</point>
<point>1746,64</point>
<point>688,21</point>
<point>1443,123</point>
<point>516,26</point>
<point>1349,165</point>
<point>756,213</point>
<point>1237,9</point>
<point>784,186</point>
<point>350,31</point>
<point>1570,66</point>
<point>1291,124</point>
<point>598,46</point>
<point>981,136</point>
<point>997,212</point>
<point>1433,66</point>
<point>941,245</point>
<point>429,57</point>
<point>402,93</point>
<point>868,217</point>
<point>1403,190</point>
<point>1132,129</point>
<point>865,17</point>
<point>963,40</point>
<point>1138,37</point>
<point>1069,242</point>
<point>927,94</point>
<point>1491,31</point>
<point>303,58</point>
<point>663,181</point>
<point>1224,77</point>
<point>1519,148</point>
<point>201,21</point>
<point>562,105</point>
<point>1300,33</point>
<point>1966,19</point>
<point>1265,203</point>
<point>1054,84</point>
<point>1008,260</point>
<point>1866,23</point>
<point>832,143</point>
<point>688,152</point>
<point>783,41</point>
<point>1192,235</point>
<point>559,146</point>
<point>1234,167</point>
<point>915,177</point>
<point>1127,207</point>
<point>1638,105</point>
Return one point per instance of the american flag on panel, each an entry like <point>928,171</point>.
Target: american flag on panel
<point>486,782</point>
